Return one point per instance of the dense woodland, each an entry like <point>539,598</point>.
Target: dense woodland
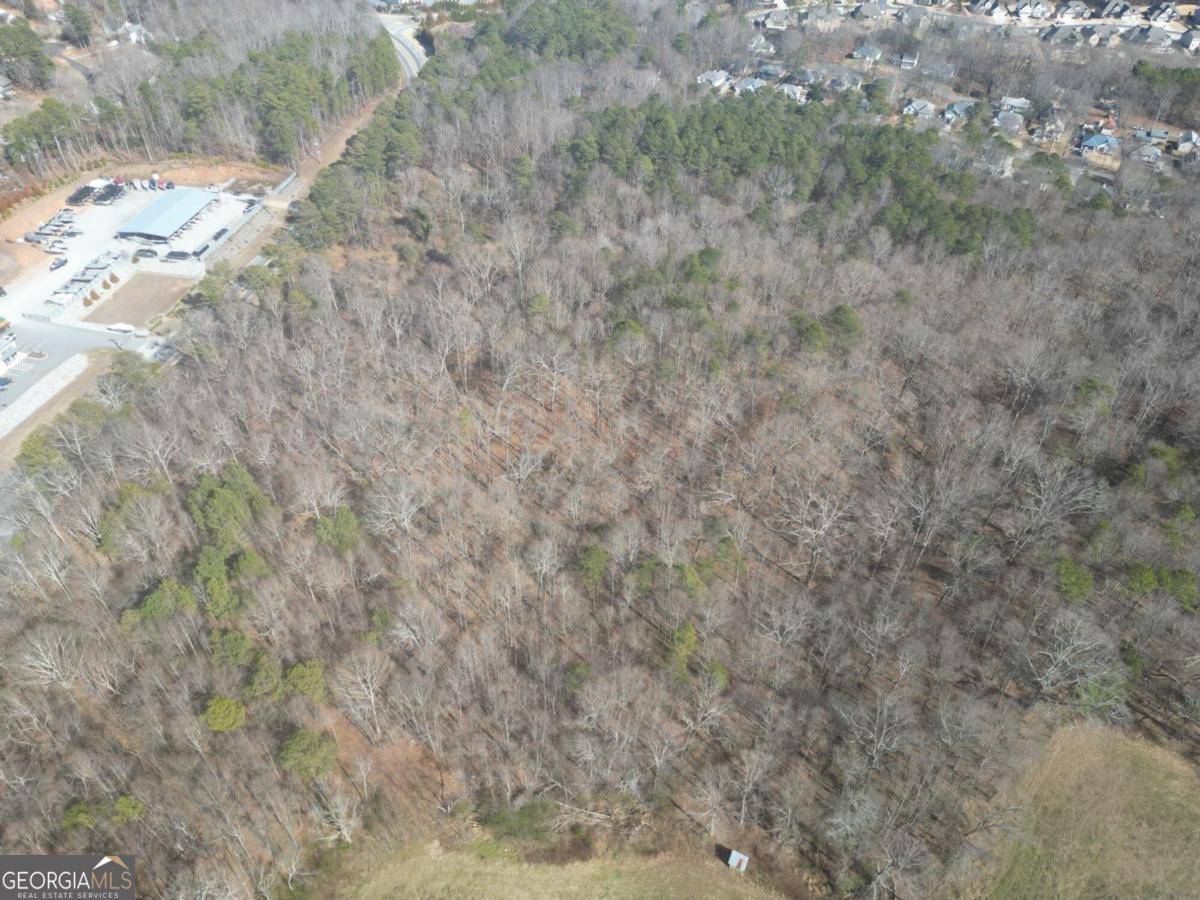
<point>246,79</point>
<point>594,445</point>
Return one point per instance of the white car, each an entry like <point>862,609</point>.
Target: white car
<point>121,328</point>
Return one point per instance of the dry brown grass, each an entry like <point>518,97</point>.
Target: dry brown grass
<point>141,299</point>
<point>1102,815</point>
<point>494,873</point>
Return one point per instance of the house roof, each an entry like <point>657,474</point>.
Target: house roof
<point>1100,142</point>
<point>166,215</point>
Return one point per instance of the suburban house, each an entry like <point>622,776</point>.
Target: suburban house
<point>1162,13</point>
<point>715,78</point>
<point>748,85</point>
<point>870,12</point>
<point>793,92</point>
<point>1016,104</point>
<point>1190,40</point>
<point>761,46</point>
<point>1009,122</point>
<point>1121,11</point>
<point>1100,144</point>
<point>1152,38</point>
<point>913,16</point>
<point>918,109</point>
<point>1103,35</point>
<point>1074,11</point>
<point>867,53</point>
<point>1032,9</point>
<point>846,82</point>
<point>992,8</point>
<point>907,61</point>
<point>777,20</point>
<point>1187,142</point>
<point>1158,136</point>
<point>958,111</point>
<point>1063,35</point>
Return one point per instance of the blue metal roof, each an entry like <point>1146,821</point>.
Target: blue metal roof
<point>167,214</point>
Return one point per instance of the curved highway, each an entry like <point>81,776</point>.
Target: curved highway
<point>403,30</point>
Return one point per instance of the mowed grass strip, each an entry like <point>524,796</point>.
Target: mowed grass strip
<point>492,873</point>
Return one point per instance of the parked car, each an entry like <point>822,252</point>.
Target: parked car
<point>121,328</point>
<point>220,234</point>
<point>58,263</point>
<point>146,253</point>
<point>81,196</point>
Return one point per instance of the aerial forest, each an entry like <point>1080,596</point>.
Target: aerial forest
<point>591,446</point>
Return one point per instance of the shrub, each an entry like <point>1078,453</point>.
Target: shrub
<point>79,815</point>
<point>125,810</point>
<point>307,679</point>
<point>232,648</point>
<point>845,326</point>
<point>810,333</point>
<point>266,682</point>
<point>308,754</point>
<point>339,531</point>
<point>528,822</point>
<point>1074,580</point>
<point>684,644</point>
<point>224,714</point>
<point>593,563</point>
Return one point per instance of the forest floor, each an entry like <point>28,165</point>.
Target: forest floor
<point>1101,814</point>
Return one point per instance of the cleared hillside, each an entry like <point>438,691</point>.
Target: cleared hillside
<point>1104,815</point>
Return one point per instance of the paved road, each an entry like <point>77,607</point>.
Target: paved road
<point>403,30</point>
<point>52,344</point>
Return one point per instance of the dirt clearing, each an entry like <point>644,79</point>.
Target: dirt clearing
<point>141,299</point>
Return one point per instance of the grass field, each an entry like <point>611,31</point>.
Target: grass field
<point>1104,816</point>
<point>496,874</point>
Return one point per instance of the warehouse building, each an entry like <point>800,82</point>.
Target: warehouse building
<point>168,215</point>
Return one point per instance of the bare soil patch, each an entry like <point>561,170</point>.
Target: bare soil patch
<point>141,299</point>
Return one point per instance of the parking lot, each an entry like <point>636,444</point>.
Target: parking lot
<point>72,262</point>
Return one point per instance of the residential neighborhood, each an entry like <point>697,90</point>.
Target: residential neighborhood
<point>900,84</point>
